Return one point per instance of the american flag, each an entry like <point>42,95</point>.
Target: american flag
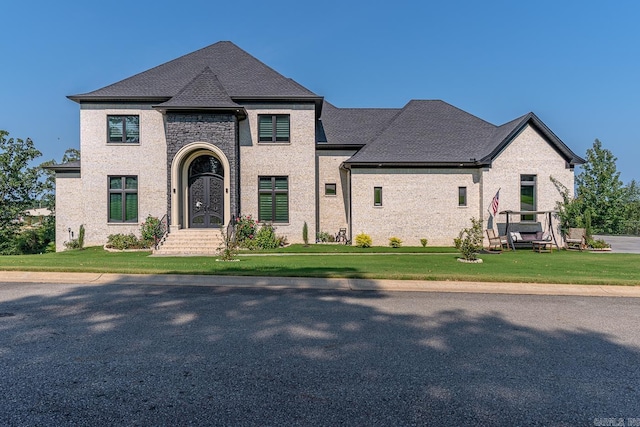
<point>494,203</point>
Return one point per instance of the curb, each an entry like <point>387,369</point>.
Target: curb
<point>319,283</point>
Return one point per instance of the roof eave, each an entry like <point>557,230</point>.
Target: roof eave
<point>435,165</point>
<point>99,98</point>
<point>317,100</point>
<point>571,158</point>
<point>329,146</point>
<point>238,111</point>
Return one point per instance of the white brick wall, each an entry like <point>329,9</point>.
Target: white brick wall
<point>68,216</point>
<point>295,159</point>
<point>333,210</point>
<point>146,160</point>
<point>416,203</point>
<point>529,154</point>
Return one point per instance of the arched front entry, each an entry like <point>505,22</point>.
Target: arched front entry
<point>200,187</point>
<point>206,192</point>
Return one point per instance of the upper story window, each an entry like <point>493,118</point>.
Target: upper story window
<point>273,128</point>
<point>123,129</point>
<point>527,196</point>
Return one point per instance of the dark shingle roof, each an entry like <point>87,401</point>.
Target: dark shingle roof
<point>352,126</point>
<point>428,132</point>
<point>437,133</point>
<point>204,91</point>
<point>241,75</point>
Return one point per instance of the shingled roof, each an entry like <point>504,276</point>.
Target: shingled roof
<point>203,92</point>
<point>435,133</point>
<point>242,77</point>
<point>352,127</point>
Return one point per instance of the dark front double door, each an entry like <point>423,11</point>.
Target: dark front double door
<point>206,201</point>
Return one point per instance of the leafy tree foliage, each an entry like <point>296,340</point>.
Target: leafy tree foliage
<point>20,186</point>
<point>632,208</point>
<point>601,191</point>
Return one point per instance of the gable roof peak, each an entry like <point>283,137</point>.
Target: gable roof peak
<point>242,76</point>
<point>204,92</point>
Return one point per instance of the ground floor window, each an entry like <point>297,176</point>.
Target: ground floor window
<point>123,199</point>
<point>527,196</point>
<point>377,196</point>
<point>273,198</point>
<point>462,196</point>
<point>330,189</point>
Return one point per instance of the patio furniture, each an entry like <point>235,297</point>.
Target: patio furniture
<point>521,234</point>
<point>497,242</point>
<point>576,239</point>
<point>341,237</point>
<point>542,246</point>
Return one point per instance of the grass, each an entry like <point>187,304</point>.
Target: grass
<point>371,263</point>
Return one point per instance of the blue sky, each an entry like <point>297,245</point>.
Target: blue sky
<point>576,64</point>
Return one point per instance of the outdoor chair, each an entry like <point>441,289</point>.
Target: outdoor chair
<point>496,242</point>
<point>341,237</point>
<point>576,239</point>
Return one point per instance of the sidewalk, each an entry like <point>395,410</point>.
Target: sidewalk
<point>318,283</point>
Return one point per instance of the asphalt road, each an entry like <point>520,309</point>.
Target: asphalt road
<point>182,355</point>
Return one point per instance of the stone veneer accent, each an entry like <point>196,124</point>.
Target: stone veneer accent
<point>220,130</point>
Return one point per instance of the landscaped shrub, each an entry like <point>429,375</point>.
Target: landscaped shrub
<point>395,242</point>
<point>125,241</point>
<point>423,242</point>
<point>305,234</point>
<point>76,243</point>
<point>469,241</point>
<point>597,244</point>
<point>151,230</point>
<point>81,236</point>
<point>363,240</point>
<point>266,237</point>
<point>323,236</point>
<point>246,229</point>
<point>229,248</point>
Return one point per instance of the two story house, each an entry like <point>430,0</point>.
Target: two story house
<point>216,134</point>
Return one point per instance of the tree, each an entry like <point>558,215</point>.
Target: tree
<point>600,190</point>
<point>20,186</point>
<point>632,208</point>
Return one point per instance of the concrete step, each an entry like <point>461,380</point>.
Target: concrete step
<point>191,242</point>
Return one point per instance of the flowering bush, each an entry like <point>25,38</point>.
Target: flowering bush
<point>246,228</point>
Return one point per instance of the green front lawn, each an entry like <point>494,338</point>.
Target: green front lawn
<point>350,262</point>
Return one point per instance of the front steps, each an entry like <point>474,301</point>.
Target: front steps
<point>191,241</point>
